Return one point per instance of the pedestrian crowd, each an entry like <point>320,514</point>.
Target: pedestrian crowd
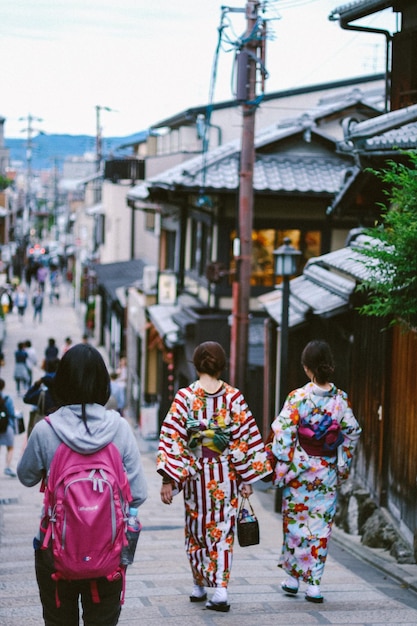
<point>38,394</point>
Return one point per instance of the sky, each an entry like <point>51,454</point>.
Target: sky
<point>143,61</point>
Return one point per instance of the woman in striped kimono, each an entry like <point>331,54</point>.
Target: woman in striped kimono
<point>211,449</point>
<point>315,436</point>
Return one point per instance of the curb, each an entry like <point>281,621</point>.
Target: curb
<point>405,574</point>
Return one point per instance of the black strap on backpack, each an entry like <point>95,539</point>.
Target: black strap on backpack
<point>4,418</point>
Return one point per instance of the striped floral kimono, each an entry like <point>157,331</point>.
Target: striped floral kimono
<point>321,421</point>
<point>209,444</point>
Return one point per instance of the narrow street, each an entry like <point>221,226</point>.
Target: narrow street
<point>357,593</point>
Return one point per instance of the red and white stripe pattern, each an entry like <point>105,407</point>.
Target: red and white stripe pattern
<point>210,484</point>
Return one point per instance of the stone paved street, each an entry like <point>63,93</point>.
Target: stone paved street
<point>370,590</point>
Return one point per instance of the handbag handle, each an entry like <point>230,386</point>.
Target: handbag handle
<point>249,503</point>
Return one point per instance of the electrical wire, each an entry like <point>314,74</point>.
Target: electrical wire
<point>228,41</point>
<point>209,108</point>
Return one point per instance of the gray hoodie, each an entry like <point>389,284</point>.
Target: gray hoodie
<point>66,425</point>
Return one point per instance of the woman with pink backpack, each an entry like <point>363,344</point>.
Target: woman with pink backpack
<point>82,434</point>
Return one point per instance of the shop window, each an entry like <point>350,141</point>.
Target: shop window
<point>266,240</point>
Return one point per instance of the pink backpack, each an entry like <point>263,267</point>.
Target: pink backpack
<point>86,503</point>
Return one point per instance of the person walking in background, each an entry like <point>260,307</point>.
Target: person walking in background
<point>211,449</point>
<point>32,359</point>
<point>67,345</point>
<point>21,301</point>
<point>37,303</point>
<point>6,302</point>
<point>21,370</point>
<point>315,436</point>
<point>51,353</point>
<point>117,396</point>
<point>41,396</point>
<point>82,388</point>
<point>41,276</point>
<point>122,376</point>
<point>7,437</point>
<point>54,282</point>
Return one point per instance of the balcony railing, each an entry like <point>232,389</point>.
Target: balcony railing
<point>124,169</point>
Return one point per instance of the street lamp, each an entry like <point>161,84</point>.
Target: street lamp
<point>285,258</point>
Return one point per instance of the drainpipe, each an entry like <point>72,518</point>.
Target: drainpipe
<point>378,31</point>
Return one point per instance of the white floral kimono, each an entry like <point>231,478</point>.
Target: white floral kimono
<point>310,478</point>
<point>209,444</point>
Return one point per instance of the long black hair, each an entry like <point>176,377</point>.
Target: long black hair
<point>82,378</point>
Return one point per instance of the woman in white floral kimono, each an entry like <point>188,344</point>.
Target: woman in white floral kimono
<point>314,438</point>
<point>210,448</point>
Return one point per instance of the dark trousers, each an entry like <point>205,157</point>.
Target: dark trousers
<point>104,613</point>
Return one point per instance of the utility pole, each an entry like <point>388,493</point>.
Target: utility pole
<point>29,172</point>
<point>99,139</point>
<point>246,93</point>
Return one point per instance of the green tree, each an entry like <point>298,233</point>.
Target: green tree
<point>4,182</point>
<point>391,282</point>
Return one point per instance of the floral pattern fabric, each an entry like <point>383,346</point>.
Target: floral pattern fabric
<point>209,444</point>
<point>310,482</point>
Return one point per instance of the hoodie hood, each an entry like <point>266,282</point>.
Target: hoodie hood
<point>70,428</point>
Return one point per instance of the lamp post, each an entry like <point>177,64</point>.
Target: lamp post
<point>285,266</point>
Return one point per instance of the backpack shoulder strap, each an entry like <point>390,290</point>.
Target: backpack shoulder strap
<point>3,403</point>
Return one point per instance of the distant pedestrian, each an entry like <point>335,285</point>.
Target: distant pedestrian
<point>117,395</point>
<point>54,281</point>
<point>21,371</point>
<point>122,371</point>
<point>37,303</point>
<point>51,353</point>
<point>32,359</point>
<point>7,437</point>
<point>67,345</point>
<point>41,396</point>
<point>6,302</point>
<point>41,276</point>
<point>21,301</point>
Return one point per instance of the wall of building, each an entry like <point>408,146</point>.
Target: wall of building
<point>117,241</point>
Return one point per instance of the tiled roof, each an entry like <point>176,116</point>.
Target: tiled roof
<point>325,287</point>
<point>390,131</point>
<point>271,173</point>
<point>404,138</point>
<point>218,169</point>
<point>122,274</point>
<point>356,10</point>
<point>350,260</point>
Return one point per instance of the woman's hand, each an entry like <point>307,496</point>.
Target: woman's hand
<point>166,493</point>
<point>246,490</point>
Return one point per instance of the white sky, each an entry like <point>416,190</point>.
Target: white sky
<point>148,60</point>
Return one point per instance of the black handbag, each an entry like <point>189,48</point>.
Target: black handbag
<point>247,524</point>
<point>19,424</point>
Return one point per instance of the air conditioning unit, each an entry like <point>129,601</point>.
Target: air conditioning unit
<point>150,278</point>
